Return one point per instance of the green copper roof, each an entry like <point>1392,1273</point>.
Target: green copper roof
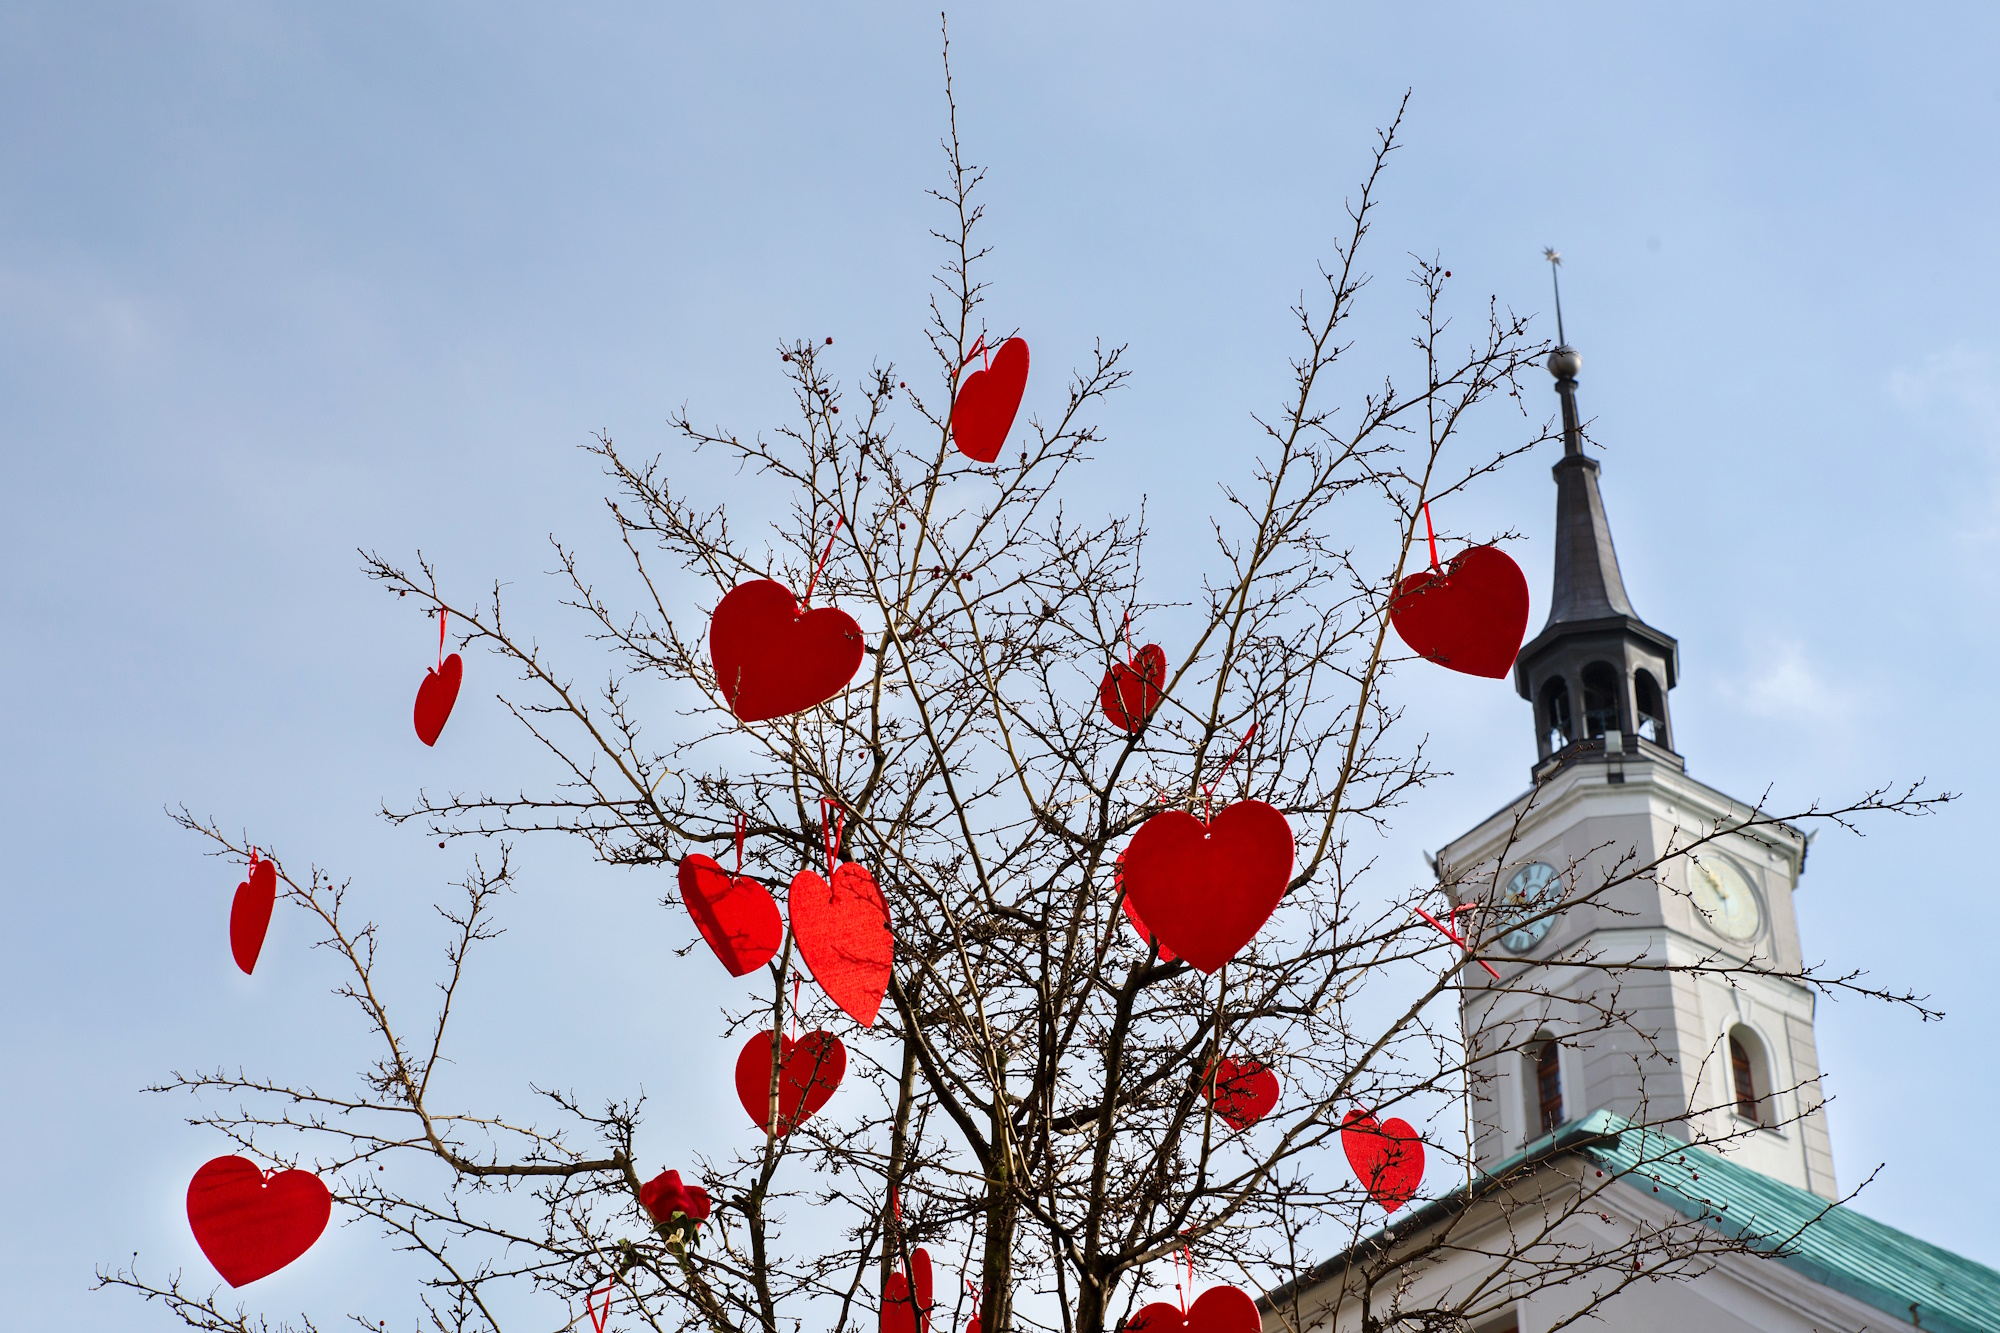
<point>1833,1245</point>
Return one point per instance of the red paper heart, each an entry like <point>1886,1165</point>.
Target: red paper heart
<point>1132,913</point>
<point>735,914</point>
<point>1131,691</point>
<point>1207,889</point>
<point>1243,1091</point>
<point>250,914</point>
<point>987,402</point>
<point>812,1068</point>
<point>249,1225</point>
<point>1217,1310</point>
<point>900,1312</point>
<point>1388,1158</point>
<point>773,658</point>
<point>842,931</point>
<point>1471,618</point>
<point>664,1195</point>
<point>436,696</point>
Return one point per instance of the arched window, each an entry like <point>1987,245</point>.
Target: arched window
<point>1745,1073</point>
<point>1549,1084</point>
<point>1556,726</point>
<point>1652,707</point>
<point>1600,699</point>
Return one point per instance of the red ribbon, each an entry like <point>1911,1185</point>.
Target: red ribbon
<point>814,581</point>
<point>442,613</point>
<point>742,826</point>
<point>1208,788</point>
<point>598,1318</point>
<point>1430,536</point>
<point>1454,937</point>
<point>978,350</point>
<point>832,825</point>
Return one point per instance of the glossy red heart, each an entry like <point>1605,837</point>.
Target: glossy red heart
<point>1131,691</point>
<point>773,658</point>
<point>811,1069</point>
<point>250,914</point>
<point>436,696</point>
<point>664,1195</point>
<point>842,931</point>
<point>250,1225</point>
<point>1243,1091</point>
<point>1470,618</point>
<point>1207,889</point>
<point>987,402</point>
<point>901,1313</point>
<point>1217,1310</point>
<point>734,913</point>
<point>1132,913</point>
<point>1388,1158</point>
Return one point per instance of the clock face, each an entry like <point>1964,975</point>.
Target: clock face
<point>1529,894</point>
<point>1723,897</point>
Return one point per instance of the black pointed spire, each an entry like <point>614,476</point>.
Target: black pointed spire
<point>1588,585</point>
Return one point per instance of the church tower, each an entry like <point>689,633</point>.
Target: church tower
<point>1560,872</point>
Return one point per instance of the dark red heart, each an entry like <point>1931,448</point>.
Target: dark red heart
<point>1470,618</point>
<point>811,1069</point>
<point>1388,1158</point>
<point>1131,691</point>
<point>1132,913</point>
<point>1217,1310</point>
<point>250,1225</point>
<point>842,931</point>
<point>1207,889</point>
<point>987,402</point>
<point>734,913</point>
<point>1243,1091</point>
<point>664,1195</point>
<point>436,696</point>
<point>250,914</point>
<point>901,1312</point>
<point>773,658</point>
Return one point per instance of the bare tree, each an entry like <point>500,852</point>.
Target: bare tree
<point>1038,1093</point>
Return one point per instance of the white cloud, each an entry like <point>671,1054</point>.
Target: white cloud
<point>1781,681</point>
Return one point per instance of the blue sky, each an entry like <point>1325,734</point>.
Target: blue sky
<point>277,282</point>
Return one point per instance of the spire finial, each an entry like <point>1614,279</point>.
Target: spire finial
<point>1550,253</point>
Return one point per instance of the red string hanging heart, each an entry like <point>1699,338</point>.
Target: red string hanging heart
<point>1388,1158</point>
<point>250,1225</point>
<point>438,692</point>
<point>734,913</point>
<point>250,913</point>
<point>842,929</point>
<point>987,401</point>
<point>1207,889</point>
<point>600,1314</point>
<point>810,1069</point>
<point>1471,618</point>
<point>1217,1310</point>
<point>906,1298</point>
<point>1242,1091</point>
<point>1132,913</point>
<point>773,657</point>
<point>1131,691</point>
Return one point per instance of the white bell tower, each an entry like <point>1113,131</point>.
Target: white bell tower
<point>1685,1031</point>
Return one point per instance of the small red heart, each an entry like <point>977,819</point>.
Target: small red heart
<point>436,696</point>
<point>1131,691</point>
<point>811,1069</point>
<point>1469,619</point>
<point>1388,1158</point>
<point>1243,1091</point>
<point>1217,1310</point>
<point>773,657</point>
<point>250,1225</point>
<point>987,402</point>
<point>664,1195</point>
<point>842,931</point>
<point>1207,889</point>
<point>250,914</point>
<point>1132,913</point>
<point>735,914</point>
<point>902,1313</point>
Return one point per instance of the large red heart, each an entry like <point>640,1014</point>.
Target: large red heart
<point>250,914</point>
<point>735,914</point>
<point>1132,913</point>
<point>987,402</point>
<point>811,1069</point>
<point>1388,1158</point>
<point>250,1225</point>
<point>1207,889</point>
<point>842,930</point>
<point>436,696</point>
<point>900,1312</point>
<point>1217,1310</point>
<point>772,657</point>
<point>1243,1091</point>
<point>1470,618</point>
<point>1131,691</point>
